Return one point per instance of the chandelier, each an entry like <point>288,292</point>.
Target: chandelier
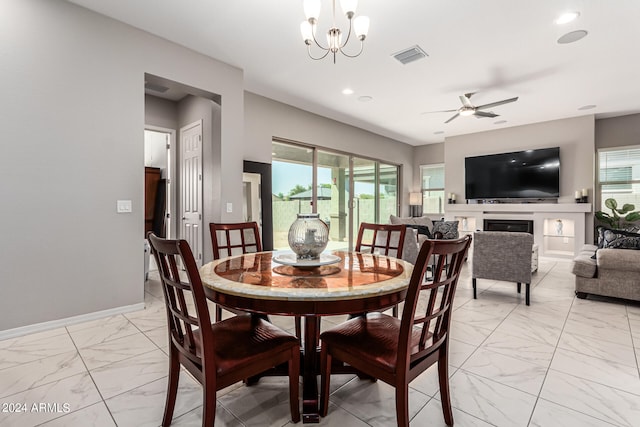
<point>359,26</point>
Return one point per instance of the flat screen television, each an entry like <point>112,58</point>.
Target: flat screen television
<point>530,174</point>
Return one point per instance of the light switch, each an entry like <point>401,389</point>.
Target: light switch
<point>229,207</point>
<point>123,206</point>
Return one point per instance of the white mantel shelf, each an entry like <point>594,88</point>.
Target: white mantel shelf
<point>518,207</point>
<point>564,243</point>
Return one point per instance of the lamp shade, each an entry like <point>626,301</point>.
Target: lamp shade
<point>361,26</point>
<point>349,6</point>
<point>312,9</point>
<point>306,30</point>
<point>415,199</point>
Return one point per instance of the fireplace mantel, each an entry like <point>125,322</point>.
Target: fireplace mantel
<point>558,228</point>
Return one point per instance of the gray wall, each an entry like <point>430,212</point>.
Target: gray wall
<point>574,136</point>
<point>160,112</point>
<point>73,120</point>
<point>618,131</point>
<point>266,118</point>
<point>425,155</point>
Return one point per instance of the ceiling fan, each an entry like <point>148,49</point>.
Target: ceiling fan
<point>468,109</point>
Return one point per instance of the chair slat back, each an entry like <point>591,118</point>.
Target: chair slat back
<point>184,297</point>
<point>429,304</point>
<point>234,239</point>
<point>384,239</point>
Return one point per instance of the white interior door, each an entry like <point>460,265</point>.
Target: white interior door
<point>191,187</point>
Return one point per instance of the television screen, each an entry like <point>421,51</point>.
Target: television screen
<point>530,174</point>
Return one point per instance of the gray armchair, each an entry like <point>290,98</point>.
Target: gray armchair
<point>499,255</point>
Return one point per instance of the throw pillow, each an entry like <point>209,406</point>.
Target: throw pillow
<point>397,220</point>
<point>620,239</point>
<point>422,229</point>
<point>449,229</point>
<point>634,229</point>
<point>600,236</point>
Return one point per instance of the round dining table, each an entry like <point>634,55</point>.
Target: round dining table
<point>355,283</point>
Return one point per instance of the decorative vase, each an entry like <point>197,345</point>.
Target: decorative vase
<point>559,227</point>
<point>308,236</point>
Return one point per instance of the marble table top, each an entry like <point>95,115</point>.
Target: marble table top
<point>356,276</point>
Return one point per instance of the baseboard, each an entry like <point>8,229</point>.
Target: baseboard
<point>53,324</point>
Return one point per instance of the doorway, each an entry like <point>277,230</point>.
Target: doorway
<point>253,170</point>
<point>159,152</point>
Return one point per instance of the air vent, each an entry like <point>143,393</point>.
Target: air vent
<point>409,55</point>
<point>155,87</point>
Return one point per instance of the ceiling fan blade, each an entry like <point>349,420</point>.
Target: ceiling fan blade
<point>439,111</point>
<point>456,115</point>
<point>484,114</point>
<point>465,101</point>
<point>495,104</point>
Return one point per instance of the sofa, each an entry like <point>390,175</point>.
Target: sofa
<point>611,272</point>
<point>413,240</point>
<point>420,229</point>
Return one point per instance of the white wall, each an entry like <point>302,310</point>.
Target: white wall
<point>73,120</point>
<point>155,150</point>
<point>266,118</point>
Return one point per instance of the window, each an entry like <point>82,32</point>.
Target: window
<point>619,175</point>
<point>432,177</point>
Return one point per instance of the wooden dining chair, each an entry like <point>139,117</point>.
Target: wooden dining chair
<point>236,239</point>
<point>383,239</point>
<point>395,350</point>
<point>233,239</point>
<point>218,354</point>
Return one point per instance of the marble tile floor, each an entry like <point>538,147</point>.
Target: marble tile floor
<point>559,362</point>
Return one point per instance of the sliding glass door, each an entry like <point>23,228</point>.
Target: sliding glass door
<point>333,197</point>
<point>343,189</point>
<point>292,176</point>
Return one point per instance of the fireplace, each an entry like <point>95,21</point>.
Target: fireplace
<point>522,225</point>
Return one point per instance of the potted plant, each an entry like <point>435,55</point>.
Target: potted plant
<point>626,212</point>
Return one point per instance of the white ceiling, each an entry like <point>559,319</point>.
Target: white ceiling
<point>497,48</point>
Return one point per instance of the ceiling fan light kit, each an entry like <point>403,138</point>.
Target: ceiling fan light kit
<point>358,26</point>
<point>468,109</point>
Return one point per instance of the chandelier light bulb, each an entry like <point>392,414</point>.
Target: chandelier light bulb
<point>334,39</point>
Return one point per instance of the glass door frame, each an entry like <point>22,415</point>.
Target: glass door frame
<point>351,197</point>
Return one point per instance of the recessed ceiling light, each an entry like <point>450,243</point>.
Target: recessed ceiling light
<point>439,132</point>
<point>499,122</point>
<point>587,107</point>
<point>573,36</point>
<point>347,91</point>
<point>567,17</point>
<point>365,98</point>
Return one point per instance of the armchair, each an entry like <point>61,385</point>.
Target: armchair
<point>500,255</point>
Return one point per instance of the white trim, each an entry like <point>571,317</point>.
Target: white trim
<point>53,324</point>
